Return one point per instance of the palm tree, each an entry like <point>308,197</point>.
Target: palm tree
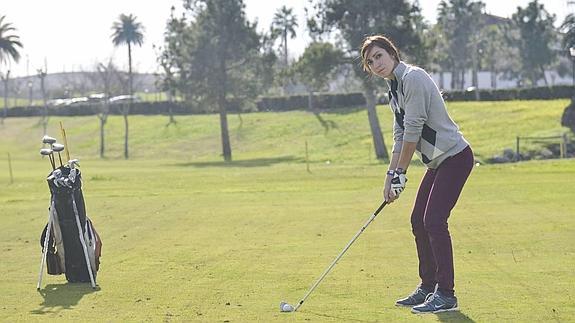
<point>284,22</point>
<point>8,50</point>
<point>127,31</point>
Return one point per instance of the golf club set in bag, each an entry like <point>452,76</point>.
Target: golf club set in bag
<point>70,244</point>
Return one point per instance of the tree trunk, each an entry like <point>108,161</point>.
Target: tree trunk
<point>310,101</point>
<point>44,98</point>
<point>222,104</point>
<point>226,147</point>
<point>126,155</point>
<point>127,110</point>
<point>378,141</point>
<point>5,114</point>
<point>285,48</point>
<point>493,77</point>
<point>544,76</point>
<point>441,80</point>
<point>172,120</point>
<point>474,80</point>
<point>103,118</point>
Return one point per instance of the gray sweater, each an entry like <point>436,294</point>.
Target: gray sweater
<point>421,116</point>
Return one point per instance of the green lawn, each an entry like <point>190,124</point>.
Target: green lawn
<point>189,238</point>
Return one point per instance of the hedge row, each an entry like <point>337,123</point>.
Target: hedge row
<point>294,102</point>
<point>320,101</point>
<point>536,93</point>
<point>144,108</point>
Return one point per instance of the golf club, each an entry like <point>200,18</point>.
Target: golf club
<point>73,163</point>
<point>48,152</point>
<point>58,148</point>
<point>50,140</point>
<point>285,307</point>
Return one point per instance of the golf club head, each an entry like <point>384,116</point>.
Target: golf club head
<point>57,147</point>
<point>57,173</point>
<point>285,307</point>
<point>73,163</point>
<point>48,140</point>
<point>46,151</point>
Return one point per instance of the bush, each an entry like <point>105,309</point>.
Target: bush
<point>320,101</point>
<point>536,93</point>
<point>142,108</point>
<point>568,117</point>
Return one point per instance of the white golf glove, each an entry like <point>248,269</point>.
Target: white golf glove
<point>398,181</point>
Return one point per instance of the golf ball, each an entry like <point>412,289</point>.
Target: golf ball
<point>286,307</point>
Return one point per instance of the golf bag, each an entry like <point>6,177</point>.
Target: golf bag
<point>70,237</point>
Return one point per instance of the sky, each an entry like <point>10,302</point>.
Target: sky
<point>74,35</point>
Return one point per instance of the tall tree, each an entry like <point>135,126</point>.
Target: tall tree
<point>353,20</point>
<point>315,68</point>
<point>283,25</point>
<point>127,31</point>
<point>42,73</point>
<point>495,53</point>
<point>106,73</point>
<point>441,61</point>
<point>9,44</point>
<point>459,20</point>
<point>222,58</point>
<point>537,35</point>
<point>568,27</point>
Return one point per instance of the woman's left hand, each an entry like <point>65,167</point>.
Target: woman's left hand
<point>398,183</point>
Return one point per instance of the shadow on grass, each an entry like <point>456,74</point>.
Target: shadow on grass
<point>258,162</point>
<point>59,297</point>
<point>326,124</point>
<point>454,317</point>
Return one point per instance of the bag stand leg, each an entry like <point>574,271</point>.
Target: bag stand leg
<point>45,247</point>
<point>83,242</point>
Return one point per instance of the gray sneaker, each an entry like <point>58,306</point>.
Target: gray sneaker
<point>436,303</point>
<point>416,298</point>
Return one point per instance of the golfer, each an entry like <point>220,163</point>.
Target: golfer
<point>422,124</point>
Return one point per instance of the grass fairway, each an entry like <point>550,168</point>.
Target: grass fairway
<point>188,238</point>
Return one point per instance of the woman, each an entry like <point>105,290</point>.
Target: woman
<point>421,124</point>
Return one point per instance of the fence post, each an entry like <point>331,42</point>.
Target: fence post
<point>10,169</point>
<point>564,145</point>
<point>307,158</point>
<point>517,156</point>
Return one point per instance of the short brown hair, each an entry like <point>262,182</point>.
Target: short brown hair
<point>379,41</point>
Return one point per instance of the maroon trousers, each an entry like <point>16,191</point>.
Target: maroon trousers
<point>438,192</point>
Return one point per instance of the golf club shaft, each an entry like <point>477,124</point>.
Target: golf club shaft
<point>371,218</point>
<point>65,140</point>
<point>45,246</point>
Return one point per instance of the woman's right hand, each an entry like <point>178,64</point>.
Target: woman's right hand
<point>388,195</point>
